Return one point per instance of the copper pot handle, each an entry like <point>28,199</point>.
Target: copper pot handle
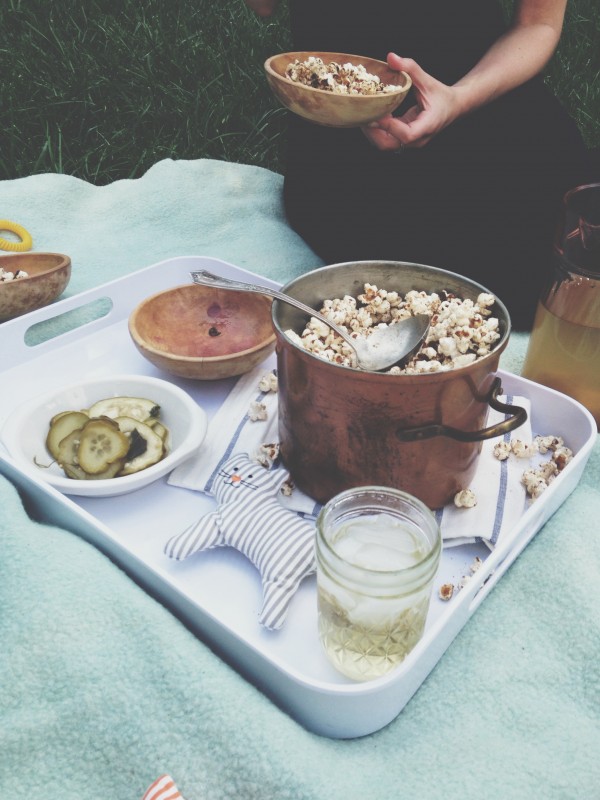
<point>519,416</point>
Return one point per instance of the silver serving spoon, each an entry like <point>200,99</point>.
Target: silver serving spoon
<point>380,350</point>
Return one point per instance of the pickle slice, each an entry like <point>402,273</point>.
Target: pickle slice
<point>159,429</point>
<point>146,446</point>
<point>61,426</point>
<point>68,449</point>
<point>101,444</point>
<point>135,407</point>
<point>75,472</point>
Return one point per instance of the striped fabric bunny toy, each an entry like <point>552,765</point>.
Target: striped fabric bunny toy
<point>250,518</point>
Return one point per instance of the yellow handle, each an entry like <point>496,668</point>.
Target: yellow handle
<point>15,247</point>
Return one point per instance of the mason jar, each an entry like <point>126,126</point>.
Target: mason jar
<point>378,551</point>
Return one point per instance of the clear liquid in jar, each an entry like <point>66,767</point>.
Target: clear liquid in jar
<point>366,636</point>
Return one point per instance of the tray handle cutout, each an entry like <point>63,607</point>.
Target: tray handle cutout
<point>48,329</point>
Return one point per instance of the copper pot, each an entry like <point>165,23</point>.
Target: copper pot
<point>340,427</point>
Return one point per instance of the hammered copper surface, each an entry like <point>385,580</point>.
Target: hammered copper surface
<point>49,274</point>
<point>202,332</point>
<point>339,428</point>
<point>335,110</point>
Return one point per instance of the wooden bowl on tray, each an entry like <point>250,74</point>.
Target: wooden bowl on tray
<point>328,108</point>
<point>47,277</point>
<point>203,332</point>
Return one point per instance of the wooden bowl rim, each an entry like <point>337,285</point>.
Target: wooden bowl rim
<point>189,359</point>
<point>38,256</point>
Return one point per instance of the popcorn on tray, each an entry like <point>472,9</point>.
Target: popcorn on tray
<point>268,383</point>
<point>536,479</point>
<point>465,499</point>
<point>257,412</point>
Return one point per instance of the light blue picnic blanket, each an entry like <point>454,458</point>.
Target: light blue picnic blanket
<point>102,689</point>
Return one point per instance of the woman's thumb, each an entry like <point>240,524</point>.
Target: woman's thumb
<point>408,65</point>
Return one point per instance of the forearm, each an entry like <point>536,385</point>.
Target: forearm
<point>514,58</point>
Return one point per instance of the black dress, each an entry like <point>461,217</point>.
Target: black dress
<point>481,199</point>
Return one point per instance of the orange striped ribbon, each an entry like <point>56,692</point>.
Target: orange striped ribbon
<point>163,788</point>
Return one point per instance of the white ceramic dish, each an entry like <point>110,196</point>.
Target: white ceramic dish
<point>24,432</point>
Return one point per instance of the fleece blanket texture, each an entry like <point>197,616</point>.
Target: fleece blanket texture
<point>102,689</point>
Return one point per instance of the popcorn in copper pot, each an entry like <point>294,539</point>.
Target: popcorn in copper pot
<point>461,330</point>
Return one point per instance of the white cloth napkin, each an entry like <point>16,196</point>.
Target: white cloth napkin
<point>497,484</point>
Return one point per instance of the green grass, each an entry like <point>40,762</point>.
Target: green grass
<point>103,94</point>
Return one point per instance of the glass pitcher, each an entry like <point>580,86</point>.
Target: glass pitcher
<point>564,347</point>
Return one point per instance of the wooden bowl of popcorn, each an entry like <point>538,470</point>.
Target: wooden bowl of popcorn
<point>337,90</point>
<point>31,280</point>
<point>203,332</point>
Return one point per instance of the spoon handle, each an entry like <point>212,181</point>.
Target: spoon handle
<point>206,278</point>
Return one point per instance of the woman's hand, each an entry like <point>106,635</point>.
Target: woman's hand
<point>437,106</point>
<point>514,58</point>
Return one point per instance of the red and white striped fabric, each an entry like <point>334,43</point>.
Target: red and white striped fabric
<point>163,788</point>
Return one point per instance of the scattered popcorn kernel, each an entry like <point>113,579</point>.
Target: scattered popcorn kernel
<point>561,457</point>
<point>524,449</point>
<point>477,562</point>
<point>287,488</point>
<point>537,479</point>
<point>268,383</point>
<point>257,412</point>
<point>502,450</point>
<point>534,484</point>
<point>446,591</point>
<point>267,454</point>
<point>465,499</point>
<point>546,443</point>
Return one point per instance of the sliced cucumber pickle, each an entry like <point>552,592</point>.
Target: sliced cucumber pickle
<point>147,447</point>
<point>79,474</point>
<point>135,407</point>
<point>160,429</point>
<point>101,444</point>
<point>62,425</point>
<point>114,437</point>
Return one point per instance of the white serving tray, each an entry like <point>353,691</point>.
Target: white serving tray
<point>215,592</point>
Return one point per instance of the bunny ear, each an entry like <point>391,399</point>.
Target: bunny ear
<point>201,535</point>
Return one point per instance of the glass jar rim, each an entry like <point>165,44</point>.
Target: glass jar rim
<point>427,514</point>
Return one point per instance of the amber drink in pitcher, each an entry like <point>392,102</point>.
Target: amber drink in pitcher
<point>564,347</point>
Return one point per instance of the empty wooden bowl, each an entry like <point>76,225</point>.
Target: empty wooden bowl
<point>48,275</point>
<point>336,110</point>
<point>203,332</point>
